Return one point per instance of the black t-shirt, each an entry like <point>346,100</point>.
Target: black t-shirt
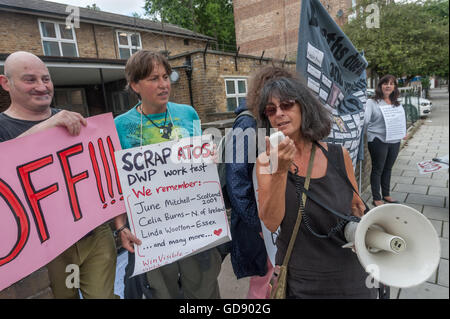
<point>11,128</point>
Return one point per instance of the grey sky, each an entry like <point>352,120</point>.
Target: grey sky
<point>115,6</point>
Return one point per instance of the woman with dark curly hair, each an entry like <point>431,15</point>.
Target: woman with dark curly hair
<point>383,152</point>
<point>248,252</point>
<point>318,267</point>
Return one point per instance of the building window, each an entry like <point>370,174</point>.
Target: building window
<point>186,41</point>
<point>58,39</point>
<point>236,91</point>
<point>72,99</point>
<point>121,101</point>
<point>129,43</point>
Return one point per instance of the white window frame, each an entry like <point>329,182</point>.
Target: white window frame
<point>58,38</point>
<point>235,95</point>
<point>129,46</point>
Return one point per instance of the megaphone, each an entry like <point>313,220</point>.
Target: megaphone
<point>396,244</point>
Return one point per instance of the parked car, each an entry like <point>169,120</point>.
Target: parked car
<point>370,93</point>
<point>422,105</point>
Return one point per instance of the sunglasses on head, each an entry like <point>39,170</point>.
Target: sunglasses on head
<point>271,109</point>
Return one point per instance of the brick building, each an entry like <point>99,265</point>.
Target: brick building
<point>94,54</point>
<point>272,26</point>
<point>218,82</point>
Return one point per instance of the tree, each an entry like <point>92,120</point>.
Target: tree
<point>93,7</point>
<point>209,17</point>
<point>412,38</point>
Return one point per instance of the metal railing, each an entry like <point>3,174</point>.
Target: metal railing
<point>411,110</point>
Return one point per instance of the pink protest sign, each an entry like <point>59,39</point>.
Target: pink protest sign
<point>54,189</point>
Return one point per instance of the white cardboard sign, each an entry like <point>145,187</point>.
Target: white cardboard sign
<point>270,239</point>
<point>395,121</point>
<point>173,199</point>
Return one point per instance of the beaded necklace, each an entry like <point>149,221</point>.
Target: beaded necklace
<point>165,130</point>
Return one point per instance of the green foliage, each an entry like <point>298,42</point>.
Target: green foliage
<point>93,7</point>
<point>426,83</point>
<point>210,17</point>
<point>412,38</point>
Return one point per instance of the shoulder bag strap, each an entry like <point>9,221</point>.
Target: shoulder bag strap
<point>302,205</point>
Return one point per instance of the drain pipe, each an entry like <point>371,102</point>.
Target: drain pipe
<point>188,70</point>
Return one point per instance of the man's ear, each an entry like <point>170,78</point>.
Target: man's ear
<point>5,82</point>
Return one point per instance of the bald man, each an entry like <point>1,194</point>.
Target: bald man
<point>28,82</point>
<point>30,88</point>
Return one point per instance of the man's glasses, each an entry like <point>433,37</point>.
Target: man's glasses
<point>271,109</point>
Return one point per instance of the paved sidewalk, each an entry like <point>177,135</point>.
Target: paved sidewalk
<point>427,193</point>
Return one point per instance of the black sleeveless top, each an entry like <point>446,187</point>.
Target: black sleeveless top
<point>320,268</point>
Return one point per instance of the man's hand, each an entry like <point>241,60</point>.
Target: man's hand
<point>128,239</point>
<point>72,121</point>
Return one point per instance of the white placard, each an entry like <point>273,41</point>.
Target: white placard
<point>346,117</point>
<point>314,55</point>
<point>323,94</point>
<point>356,118</point>
<point>313,85</point>
<point>395,121</point>
<point>326,81</point>
<point>314,71</point>
<point>270,239</point>
<point>173,199</point>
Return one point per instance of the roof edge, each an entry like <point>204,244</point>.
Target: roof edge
<point>193,35</point>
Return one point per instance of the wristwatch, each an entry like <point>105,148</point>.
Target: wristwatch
<point>116,232</point>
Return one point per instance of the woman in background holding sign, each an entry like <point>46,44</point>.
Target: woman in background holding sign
<point>317,267</point>
<point>155,120</point>
<point>385,123</point>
